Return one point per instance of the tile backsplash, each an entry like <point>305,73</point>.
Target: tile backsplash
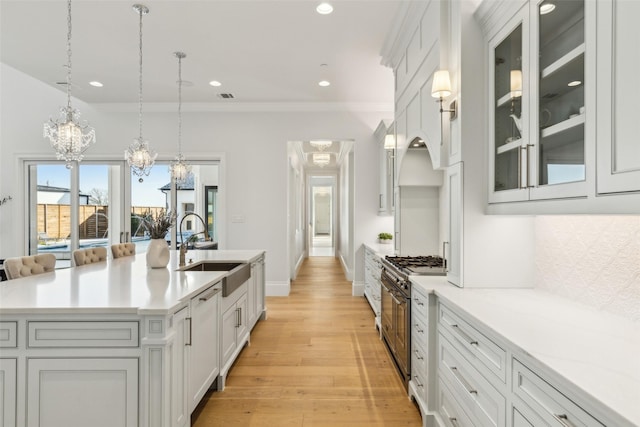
<point>594,260</point>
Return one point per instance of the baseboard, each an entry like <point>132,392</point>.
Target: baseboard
<point>277,289</point>
<point>357,289</point>
<point>345,268</point>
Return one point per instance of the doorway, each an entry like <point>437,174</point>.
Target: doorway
<point>321,216</point>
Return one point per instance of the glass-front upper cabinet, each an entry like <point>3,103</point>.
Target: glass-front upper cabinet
<point>537,80</point>
<point>509,98</point>
<point>560,122</point>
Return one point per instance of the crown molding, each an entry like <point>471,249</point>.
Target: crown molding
<point>250,107</point>
<point>492,12</point>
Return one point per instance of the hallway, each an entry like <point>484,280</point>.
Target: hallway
<point>316,361</point>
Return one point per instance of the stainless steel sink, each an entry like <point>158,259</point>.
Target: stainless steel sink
<point>238,273</point>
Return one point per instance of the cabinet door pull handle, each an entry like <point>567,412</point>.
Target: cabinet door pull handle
<point>121,236</point>
<point>418,355</point>
<point>239,316</point>
<point>464,382</point>
<point>188,330</point>
<point>528,171</point>
<point>521,149</point>
<point>464,335</point>
<point>454,421</point>
<point>564,420</point>
<point>444,256</point>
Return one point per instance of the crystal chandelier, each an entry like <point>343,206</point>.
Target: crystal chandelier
<point>179,168</point>
<point>321,159</point>
<point>321,145</point>
<point>69,136</point>
<point>139,156</point>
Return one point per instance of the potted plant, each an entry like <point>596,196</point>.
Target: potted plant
<point>385,237</point>
<point>157,227</point>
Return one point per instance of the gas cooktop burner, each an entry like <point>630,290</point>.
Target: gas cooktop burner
<point>418,265</point>
<point>416,261</point>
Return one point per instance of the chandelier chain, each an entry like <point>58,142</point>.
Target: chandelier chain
<point>140,78</point>
<point>69,54</point>
<point>180,104</point>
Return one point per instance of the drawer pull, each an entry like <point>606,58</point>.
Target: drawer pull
<point>564,420</point>
<point>465,335</point>
<point>418,355</point>
<point>464,382</point>
<point>454,421</point>
<point>418,382</point>
<point>418,328</point>
<point>207,297</point>
<point>418,301</point>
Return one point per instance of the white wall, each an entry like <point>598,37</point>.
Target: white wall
<point>253,144</point>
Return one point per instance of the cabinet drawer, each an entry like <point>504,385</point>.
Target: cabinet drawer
<point>418,358</point>
<point>83,334</point>
<point>475,394</point>
<point>549,403</point>
<point>419,330</point>
<point>419,381</point>
<point>482,352</point>
<point>8,334</point>
<point>451,413</point>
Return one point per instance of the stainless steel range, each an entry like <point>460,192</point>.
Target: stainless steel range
<point>396,303</point>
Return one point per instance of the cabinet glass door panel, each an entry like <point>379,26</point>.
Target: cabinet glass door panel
<point>509,133</point>
<point>561,43</point>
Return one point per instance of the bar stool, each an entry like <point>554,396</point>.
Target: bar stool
<point>25,266</point>
<point>123,249</point>
<point>89,255</point>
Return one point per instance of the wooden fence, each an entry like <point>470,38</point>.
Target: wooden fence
<point>54,221</point>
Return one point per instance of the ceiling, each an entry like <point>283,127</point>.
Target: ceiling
<point>262,51</point>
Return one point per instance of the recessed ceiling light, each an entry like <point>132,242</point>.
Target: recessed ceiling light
<point>324,83</point>
<point>324,8</point>
<point>96,84</point>
<point>574,83</point>
<point>215,83</point>
<point>547,8</point>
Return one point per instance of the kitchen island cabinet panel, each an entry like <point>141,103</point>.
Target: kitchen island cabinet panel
<point>141,357</point>
<point>8,392</point>
<point>79,392</point>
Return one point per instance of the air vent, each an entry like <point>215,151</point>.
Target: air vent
<point>226,95</point>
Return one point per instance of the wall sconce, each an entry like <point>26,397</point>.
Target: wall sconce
<point>441,89</point>
<point>389,142</point>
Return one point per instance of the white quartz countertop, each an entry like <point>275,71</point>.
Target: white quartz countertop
<point>123,285</point>
<point>381,249</point>
<point>596,351</point>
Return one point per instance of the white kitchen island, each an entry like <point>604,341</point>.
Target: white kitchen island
<point>117,344</point>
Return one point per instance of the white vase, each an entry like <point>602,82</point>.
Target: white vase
<point>385,241</point>
<point>157,253</point>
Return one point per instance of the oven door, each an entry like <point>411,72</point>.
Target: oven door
<point>386,315</point>
<point>402,331</point>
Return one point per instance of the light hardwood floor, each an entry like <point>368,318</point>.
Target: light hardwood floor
<point>316,361</point>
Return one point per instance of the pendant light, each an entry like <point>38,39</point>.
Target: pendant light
<point>69,136</point>
<point>180,169</point>
<point>139,156</point>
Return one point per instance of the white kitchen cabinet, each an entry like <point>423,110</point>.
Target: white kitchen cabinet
<point>618,127</point>
<point>372,286</point>
<point>234,329</point>
<point>453,252</point>
<point>547,401</point>
<point>180,410</point>
<point>203,341</point>
<point>423,360</point>
<point>8,392</point>
<point>97,392</point>
<point>540,89</point>
<point>385,139</point>
<point>255,293</point>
